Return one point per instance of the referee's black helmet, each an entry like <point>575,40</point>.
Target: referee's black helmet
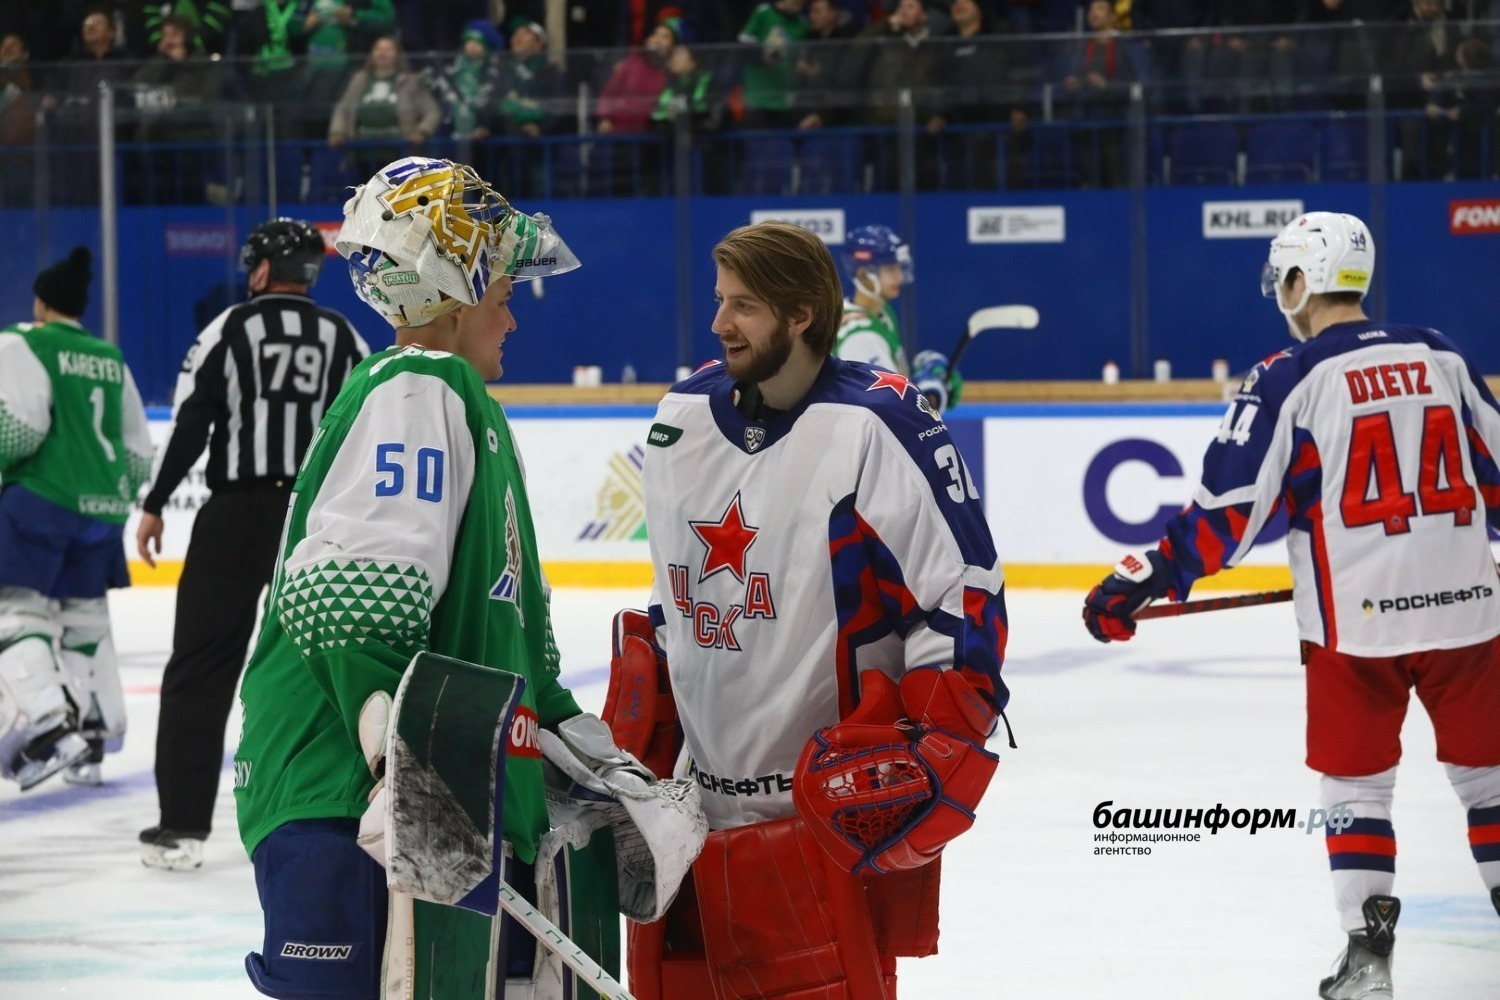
<point>295,249</point>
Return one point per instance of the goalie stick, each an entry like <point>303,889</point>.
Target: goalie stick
<point>1213,604</point>
<point>993,318</point>
<point>590,973</point>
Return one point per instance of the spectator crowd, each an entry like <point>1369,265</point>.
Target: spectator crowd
<point>364,80</point>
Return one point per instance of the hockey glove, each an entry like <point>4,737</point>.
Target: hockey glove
<point>888,787</point>
<point>639,708</point>
<point>1137,581</point>
<point>659,826</point>
<point>934,379</point>
<point>374,724</point>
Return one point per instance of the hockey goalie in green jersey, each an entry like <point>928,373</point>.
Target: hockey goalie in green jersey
<point>410,530</point>
<point>74,448</point>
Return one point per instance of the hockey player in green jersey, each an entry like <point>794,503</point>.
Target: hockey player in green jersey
<point>410,530</point>
<point>74,449</point>
<point>877,263</point>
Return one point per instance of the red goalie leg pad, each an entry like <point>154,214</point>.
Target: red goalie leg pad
<point>904,909</point>
<point>780,921</point>
<point>665,958</point>
<point>638,707</point>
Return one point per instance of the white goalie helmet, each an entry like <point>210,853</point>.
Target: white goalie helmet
<point>1335,253</point>
<point>424,236</point>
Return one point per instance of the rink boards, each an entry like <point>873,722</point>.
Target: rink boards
<point>1068,488</point>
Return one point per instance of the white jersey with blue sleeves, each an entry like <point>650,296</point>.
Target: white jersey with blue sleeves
<point>793,553</point>
<point>1379,440</point>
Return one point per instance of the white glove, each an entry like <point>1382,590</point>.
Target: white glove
<point>662,828</point>
<point>374,727</point>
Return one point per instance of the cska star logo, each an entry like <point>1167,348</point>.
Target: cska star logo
<point>890,380</point>
<point>726,542</point>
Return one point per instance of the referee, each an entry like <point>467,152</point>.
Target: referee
<point>254,387</point>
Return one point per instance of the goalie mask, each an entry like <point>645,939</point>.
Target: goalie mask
<point>423,237</point>
<point>1334,252</point>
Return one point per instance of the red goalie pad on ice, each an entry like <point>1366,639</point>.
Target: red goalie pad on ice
<point>881,793</point>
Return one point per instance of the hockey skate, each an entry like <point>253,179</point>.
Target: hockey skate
<point>172,850</point>
<point>46,755</point>
<point>87,771</point>
<point>1363,971</point>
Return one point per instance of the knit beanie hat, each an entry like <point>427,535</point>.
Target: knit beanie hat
<point>482,32</point>
<point>64,287</point>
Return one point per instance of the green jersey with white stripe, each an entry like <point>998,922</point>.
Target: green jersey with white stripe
<point>874,338</point>
<point>72,427</point>
<point>409,529</point>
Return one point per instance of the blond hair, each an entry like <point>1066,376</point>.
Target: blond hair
<point>788,268</point>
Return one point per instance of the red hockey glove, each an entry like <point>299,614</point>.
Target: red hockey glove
<point>1135,583</point>
<point>882,793</point>
<point>638,707</point>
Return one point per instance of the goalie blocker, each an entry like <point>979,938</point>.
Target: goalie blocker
<point>817,906</point>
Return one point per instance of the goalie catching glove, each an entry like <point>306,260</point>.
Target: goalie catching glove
<point>1109,610</point>
<point>659,826</point>
<point>888,787</point>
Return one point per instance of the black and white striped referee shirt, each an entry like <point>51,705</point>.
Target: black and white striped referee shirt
<point>254,386</point>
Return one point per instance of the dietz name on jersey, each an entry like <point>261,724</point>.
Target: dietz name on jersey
<point>1401,378</point>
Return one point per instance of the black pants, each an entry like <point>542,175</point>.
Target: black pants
<point>229,562</point>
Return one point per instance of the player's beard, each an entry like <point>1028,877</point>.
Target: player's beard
<point>763,362</point>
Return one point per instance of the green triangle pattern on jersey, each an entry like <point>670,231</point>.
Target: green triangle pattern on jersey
<point>138,468</point>
<point>339,603</point>
<point>17,438</point>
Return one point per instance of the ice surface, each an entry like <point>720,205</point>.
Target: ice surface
<point>1194,712</point>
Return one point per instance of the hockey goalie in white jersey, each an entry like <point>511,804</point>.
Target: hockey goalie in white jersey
<point>828,625</point>
<point>1379,440</point>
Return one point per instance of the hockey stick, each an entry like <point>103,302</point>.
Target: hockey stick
<point>589,972</point>
<point>1213,604</point>
<point>993,318</point>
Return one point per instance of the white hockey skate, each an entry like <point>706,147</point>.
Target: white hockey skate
<point>172,850</point>
<point>38,723</point>
<point>1363,971</point>
<point>85,773</point>
<point>62,753</point>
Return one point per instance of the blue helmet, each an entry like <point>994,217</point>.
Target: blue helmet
<point>870,247</point>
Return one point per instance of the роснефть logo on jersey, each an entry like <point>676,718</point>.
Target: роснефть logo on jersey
<point>1416,602</point>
